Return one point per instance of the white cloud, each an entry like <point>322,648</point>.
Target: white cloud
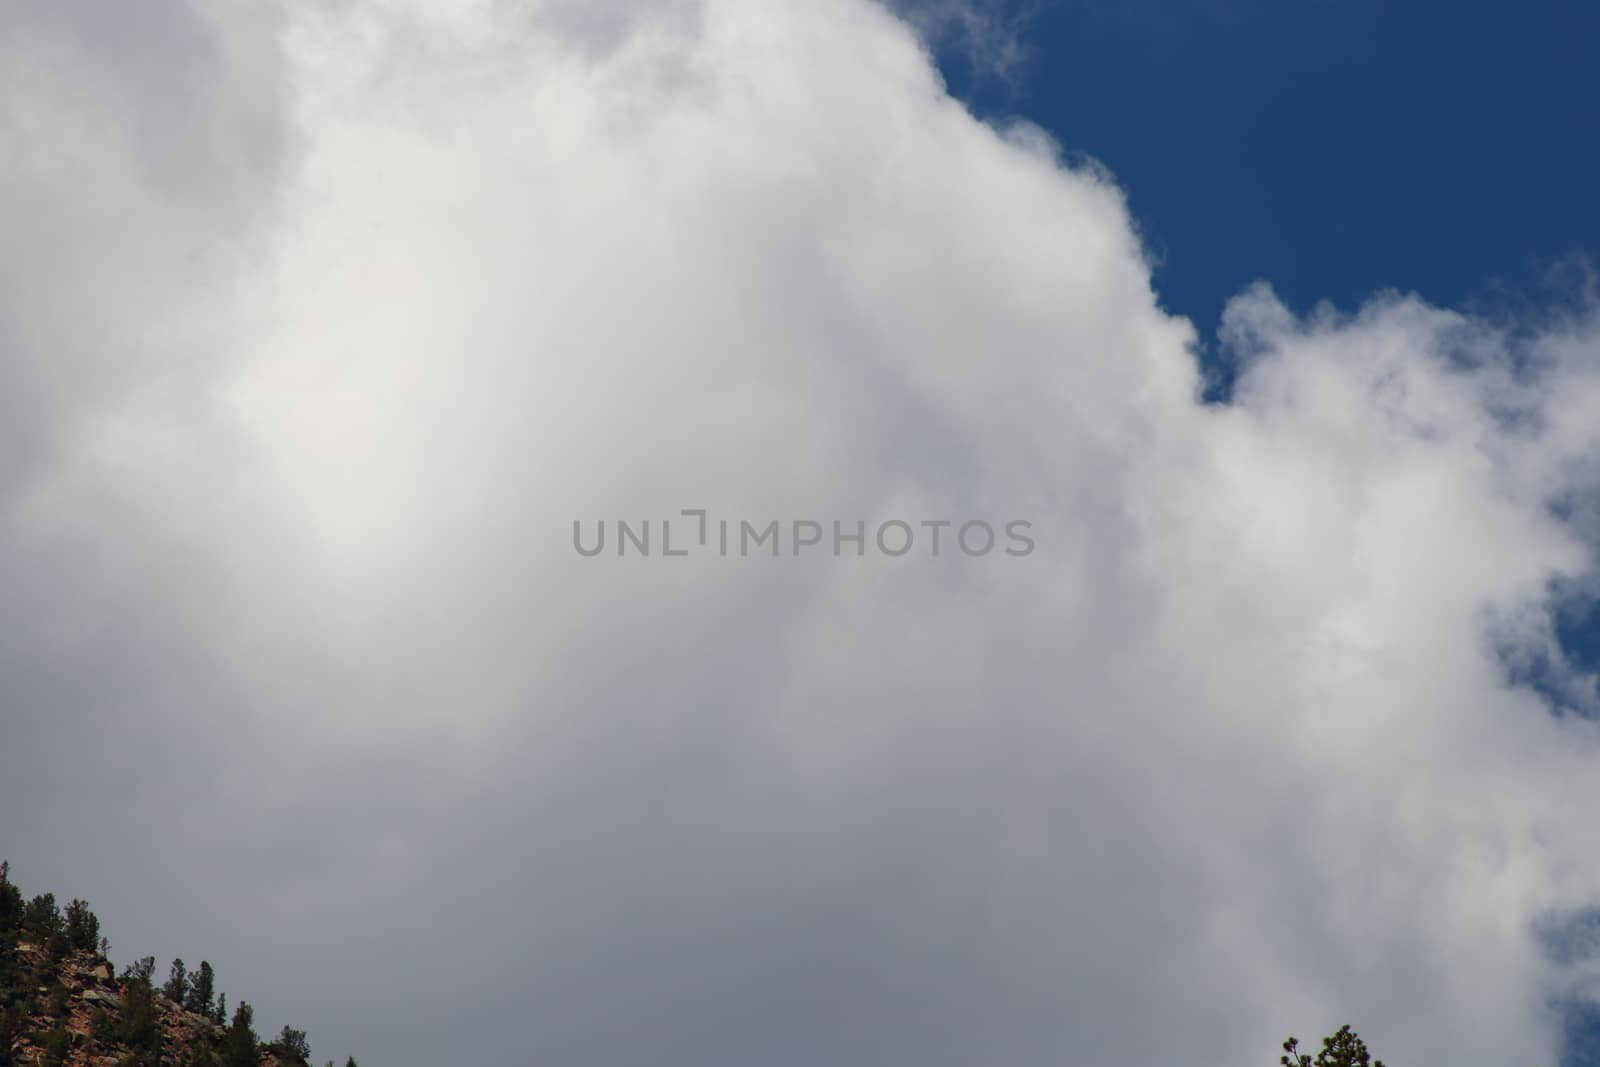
<point>989,36</point>
<point>1231,753</point>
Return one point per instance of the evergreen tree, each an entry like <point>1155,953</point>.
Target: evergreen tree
<point>177,983</point>
<point>141,1026</point>
<point>102,1031</point>
<point>57,1006</point>
<point>12,983</point>
<point>41,920</point>
<point>11,905</point>
<point>1343,1049</point>
<point>291,1044</point>
<point>200,1053</point>
<point>202,990</point>
<point>220,1016</point>
<point>140,970</point>
<point>239,1044</point>
<point>83,927</point>
<point>56,1042</point>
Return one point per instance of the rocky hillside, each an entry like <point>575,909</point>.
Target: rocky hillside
<point>62,1003</point>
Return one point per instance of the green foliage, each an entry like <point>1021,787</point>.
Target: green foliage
<point>1343,1049</point>
<point>11,904</point>
<point>140,970</point>
<point>239,1044</point>
<point>202,990</point>
<point>102,1031</point>
<point>41,919</point>
<point>58,1002</point>
<point>33,999</point>
<point>10,926</point>
<point>55,1044</point>
<point>82,927</point>
<point>12,1020</point>
<point>141,1020</point>
<point>200,1053</point>
<point>177,983</point>
<point>292,1044</point>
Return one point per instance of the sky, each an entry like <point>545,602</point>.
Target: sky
<point>324,324</point>
<point>1335,148</point>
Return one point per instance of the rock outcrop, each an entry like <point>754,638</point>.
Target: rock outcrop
<point>79,1015</point>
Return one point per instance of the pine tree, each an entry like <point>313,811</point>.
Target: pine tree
<point>239,1044</point>
<point>102,1031</point>
<point>200,1053</point>
<point>141,1027</point>
<point>141,969</point>
<point>41,919</point>
<point>83,927</point>
<point>56,1042</point>
<point>177,983</point>
<point>292,1044</point>
<point>1343,1049</point>
<point>15,995</point>
<point>202,990</point>
<point>11,905</point>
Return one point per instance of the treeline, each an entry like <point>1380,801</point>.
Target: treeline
<point>59,1002</point>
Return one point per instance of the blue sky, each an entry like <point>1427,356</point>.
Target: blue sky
<point>1332,148</point>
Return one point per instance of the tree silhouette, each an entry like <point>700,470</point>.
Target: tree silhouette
<point>202,990</point>
<point>239,1044</point>
<point>1343,1049</point>
<point>291,1044</point>
<point>83,926</point>
<point>177,983</point>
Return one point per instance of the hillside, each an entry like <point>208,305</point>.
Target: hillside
<point>62,1003</point>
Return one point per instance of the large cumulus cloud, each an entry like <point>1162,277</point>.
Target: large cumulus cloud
<point>322,329</point>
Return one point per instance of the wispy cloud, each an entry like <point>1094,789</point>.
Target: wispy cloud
<point>989,36</point>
